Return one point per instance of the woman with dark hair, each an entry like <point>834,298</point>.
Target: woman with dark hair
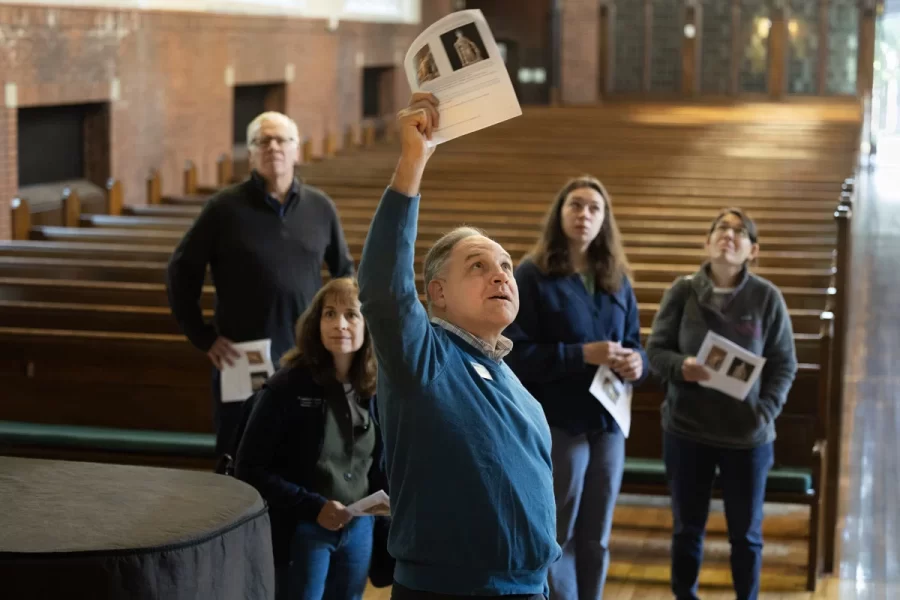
<point>311,447</point>
<point>578,311</point>
<point>704,429</point>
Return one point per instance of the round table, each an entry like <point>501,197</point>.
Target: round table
<point>88,530</point>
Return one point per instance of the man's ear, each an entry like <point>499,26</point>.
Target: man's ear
<point>435,293</point>
<point>754,252</point>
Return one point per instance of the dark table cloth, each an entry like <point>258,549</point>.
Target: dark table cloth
<point>88,530</point>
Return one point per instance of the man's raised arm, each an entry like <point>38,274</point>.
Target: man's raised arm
<point>397,321</point>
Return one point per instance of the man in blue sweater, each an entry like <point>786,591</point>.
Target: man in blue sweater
<point>467,447</point>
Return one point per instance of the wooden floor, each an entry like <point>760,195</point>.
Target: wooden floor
<point>869,526</point>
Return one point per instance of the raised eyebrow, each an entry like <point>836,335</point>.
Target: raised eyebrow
<point>589,201</point>
<point>481,253</point>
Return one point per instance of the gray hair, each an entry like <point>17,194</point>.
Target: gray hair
<point>277,117</point>
<point>439,253</point>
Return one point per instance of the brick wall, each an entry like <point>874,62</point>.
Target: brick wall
<point>9,175</point>
<point>173,102</point>
<point>579,53</point>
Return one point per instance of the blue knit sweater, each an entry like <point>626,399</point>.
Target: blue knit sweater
<point>467,447</point>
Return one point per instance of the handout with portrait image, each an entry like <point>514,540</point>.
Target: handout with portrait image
<point>615,396</point>
<point>458,61</point>
<point>733,370</point>
<point>377,504</point>
<point>251,369</point>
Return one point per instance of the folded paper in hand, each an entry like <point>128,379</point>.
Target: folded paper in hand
<point>249,372</point>
<point>378,504</point>
<point>615,395</point>
<point>734,369</point>
<point>458,61</point>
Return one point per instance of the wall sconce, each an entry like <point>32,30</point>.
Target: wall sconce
<point>537,75</point>
<point>793,27</point>
<point>690,31</point>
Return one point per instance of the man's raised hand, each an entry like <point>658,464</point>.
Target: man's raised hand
<point>417,124</point>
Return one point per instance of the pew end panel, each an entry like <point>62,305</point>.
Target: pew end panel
<point>329,145</point>
<point>306,151</point>
<point>71,208</point>
<point>224,171</point>
<point>843,216</point>
<point>154,187</point>
<point>114,197</point>
<point>190,178</point>
<point>351,138</point>
<point>21,219</point>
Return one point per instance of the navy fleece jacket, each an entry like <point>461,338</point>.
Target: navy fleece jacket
<point>557,316</point>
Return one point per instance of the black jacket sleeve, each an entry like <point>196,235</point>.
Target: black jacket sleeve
<point>265,430</point>
<point>337,255</point>
<point>186,274</point>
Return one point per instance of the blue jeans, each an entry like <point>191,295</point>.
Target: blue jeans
<point>587,476</point>
<point>327,565</point>
<point>691,471</point>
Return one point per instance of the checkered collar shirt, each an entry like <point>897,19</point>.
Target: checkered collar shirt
<point>496,353</point>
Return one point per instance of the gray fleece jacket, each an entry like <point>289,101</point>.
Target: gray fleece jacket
<point>753,316</point>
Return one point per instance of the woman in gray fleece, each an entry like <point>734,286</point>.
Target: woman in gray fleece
<point>704,428</point>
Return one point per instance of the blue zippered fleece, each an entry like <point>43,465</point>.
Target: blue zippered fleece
<point>467,456</point>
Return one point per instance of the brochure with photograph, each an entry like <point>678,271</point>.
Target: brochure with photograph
<point>458,61</point>
<point>734,370</point>
<point>249,372</point>
<point>615,395</point>
<point>377,504</point>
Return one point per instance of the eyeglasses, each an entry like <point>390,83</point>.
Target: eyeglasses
<point>740,232</point>
<point>264,142</point>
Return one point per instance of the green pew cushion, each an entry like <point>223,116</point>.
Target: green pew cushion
<point>108,439</point>
<point>646,471</point>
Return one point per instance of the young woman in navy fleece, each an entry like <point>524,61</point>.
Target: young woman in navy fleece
<point>311,447</point>
<point>578,311</point>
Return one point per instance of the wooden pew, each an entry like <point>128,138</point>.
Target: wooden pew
<point>843,281</point>
<point>80,291</point>
<point>114,197</point>
<point>133,380</point>
<point>21,219</point>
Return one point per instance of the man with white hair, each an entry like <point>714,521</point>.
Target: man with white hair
<point>467,447</point>
<point>265,240</point>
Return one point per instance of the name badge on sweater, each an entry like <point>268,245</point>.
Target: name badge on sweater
<point>482,370</point>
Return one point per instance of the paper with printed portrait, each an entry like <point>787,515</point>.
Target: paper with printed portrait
<point>615,396</point>
<point>457,60</point>
<point>251,369</point>
<point>733,369</point>
<point>377,504</point>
